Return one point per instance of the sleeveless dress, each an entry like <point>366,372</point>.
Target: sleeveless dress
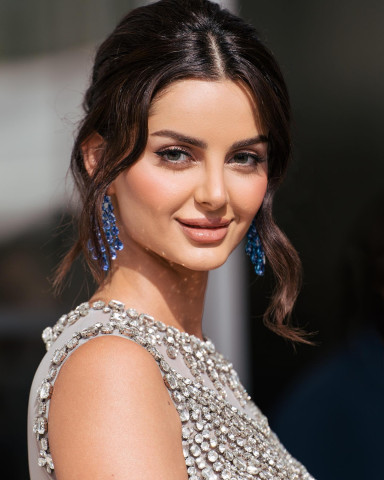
<point>224,435</point>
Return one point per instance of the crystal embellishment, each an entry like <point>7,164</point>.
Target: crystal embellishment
<point>220,441</point>
<point>46,391</point>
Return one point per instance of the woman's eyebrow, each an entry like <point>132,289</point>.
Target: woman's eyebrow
<point>201,144</point>
<point>180,138</point>
<point>250,141</point>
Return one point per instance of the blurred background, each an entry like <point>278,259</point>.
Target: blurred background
<point>324,401</point>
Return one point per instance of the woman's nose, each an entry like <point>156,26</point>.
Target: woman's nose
<point>211,191</point>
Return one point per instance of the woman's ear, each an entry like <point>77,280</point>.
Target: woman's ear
<point>92,149</point>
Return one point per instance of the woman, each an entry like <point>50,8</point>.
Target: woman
<point>183,144</point>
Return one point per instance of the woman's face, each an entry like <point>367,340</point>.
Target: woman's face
<point>194,191</point>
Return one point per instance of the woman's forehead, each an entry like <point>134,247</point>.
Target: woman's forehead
<point>193,101</point>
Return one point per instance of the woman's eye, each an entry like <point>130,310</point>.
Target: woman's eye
<point>246,158</point>
<point>174,155</point>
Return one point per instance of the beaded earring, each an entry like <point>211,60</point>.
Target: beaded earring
<point>254,250</point>
<point>111,234</point>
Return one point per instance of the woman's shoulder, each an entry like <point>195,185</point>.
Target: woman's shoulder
<point>92,384</point>
<point>106,365</point>
<point>108,394</point>
<point>108,358</point>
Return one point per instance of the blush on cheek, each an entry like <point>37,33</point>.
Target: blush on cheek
<point>155,189</point>
<point>251,197</point>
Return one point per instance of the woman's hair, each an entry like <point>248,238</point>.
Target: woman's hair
<point>152,47</point>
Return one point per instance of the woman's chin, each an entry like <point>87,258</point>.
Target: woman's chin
<point>205,264</point>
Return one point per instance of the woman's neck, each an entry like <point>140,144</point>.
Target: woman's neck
<point>171,293</point>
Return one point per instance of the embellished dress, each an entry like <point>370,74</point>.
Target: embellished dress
<point>224,435</point>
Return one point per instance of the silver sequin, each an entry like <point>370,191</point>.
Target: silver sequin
<point>221,441</point>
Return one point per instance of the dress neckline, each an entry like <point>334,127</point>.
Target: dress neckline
<point>134,314</point>
<point>118,310</point>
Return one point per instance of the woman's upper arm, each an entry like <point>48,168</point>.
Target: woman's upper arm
<point>112,417</point>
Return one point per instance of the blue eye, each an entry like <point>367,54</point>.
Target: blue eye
<point>173,155</point>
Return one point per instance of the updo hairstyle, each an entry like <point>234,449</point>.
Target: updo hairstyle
<point>151,48</point>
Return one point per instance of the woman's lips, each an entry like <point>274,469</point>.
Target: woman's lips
<point>205,231</point>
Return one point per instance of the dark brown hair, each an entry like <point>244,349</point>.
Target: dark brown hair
<point>152,47</point>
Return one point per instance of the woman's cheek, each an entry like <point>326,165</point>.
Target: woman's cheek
<point>158,187</point>
<point>247,197</point>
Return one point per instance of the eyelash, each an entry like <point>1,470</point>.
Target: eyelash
<point>163,153</point>
<point>180,164</point>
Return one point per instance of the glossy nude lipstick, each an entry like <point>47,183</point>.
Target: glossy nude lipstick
<point>202,230</point>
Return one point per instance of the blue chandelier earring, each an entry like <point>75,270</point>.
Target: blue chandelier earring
<point>111,234</point>
<point>254,250</point>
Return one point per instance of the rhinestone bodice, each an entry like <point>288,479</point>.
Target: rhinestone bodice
<point>224,435</point>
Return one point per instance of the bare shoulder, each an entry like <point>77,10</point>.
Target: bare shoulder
<point>112,417</point>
